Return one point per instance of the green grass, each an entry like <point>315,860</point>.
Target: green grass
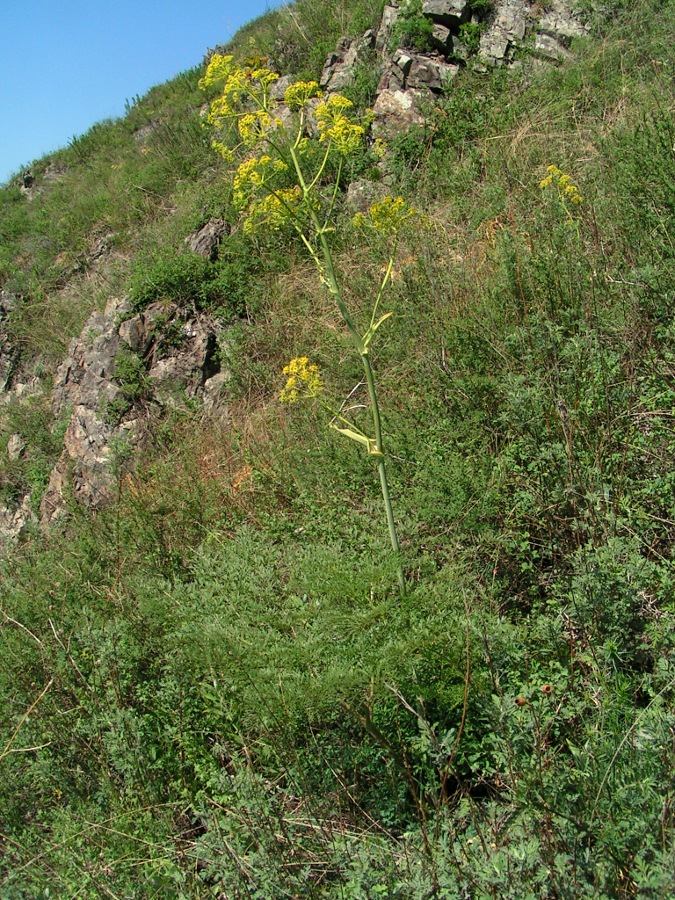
<point>227,695</point>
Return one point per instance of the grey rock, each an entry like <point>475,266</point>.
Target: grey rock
<point>442,38</point>
<point>508,27</point>
<point>89,367</point>
<point>85,385</point>
<point>448,12</point>
<point>561,22</point>
<point>384,33</point>
<point>278,88</point>
<point>362,194</point>
<point>134,334</point>
<point>13,522</point>
<point>396,110</point>
<point>15,446</point>
<point>433,74</point>
<point>417,72</point>
<point>215,394</point>
<point>185,371</point>
<point>550,47</point>
<point>206,240</point>
<point>339,69</point>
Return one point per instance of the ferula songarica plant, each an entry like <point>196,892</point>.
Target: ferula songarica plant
<point>289,152</point>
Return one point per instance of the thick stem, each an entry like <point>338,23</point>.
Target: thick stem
<point>334,288</point>
<point>381,468</point>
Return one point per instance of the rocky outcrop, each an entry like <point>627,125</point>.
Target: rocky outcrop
<point>417,71</point>
<point>175,358</point>
<point>409,77</point>
<point>340,67</point>
<point>551,30</point>
<point>7,355</point>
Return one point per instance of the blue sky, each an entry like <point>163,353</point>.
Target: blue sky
<point>66,64</point>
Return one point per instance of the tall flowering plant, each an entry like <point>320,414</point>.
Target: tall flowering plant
<point>289,153</point>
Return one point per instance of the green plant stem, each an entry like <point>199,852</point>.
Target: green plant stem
<point>334,288</point>
<point>382,471</point>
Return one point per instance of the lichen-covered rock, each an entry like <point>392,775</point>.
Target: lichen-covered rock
<point>452,13</point>
<point>206,240</point>
<point>553,30</point>
<point>339,69</point>
<point>87,386</point>
<point>385,31</point>
<point>396,111</point>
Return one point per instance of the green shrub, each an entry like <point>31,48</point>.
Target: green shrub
<point>412,30</point>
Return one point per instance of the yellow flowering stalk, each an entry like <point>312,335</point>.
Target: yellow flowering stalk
<point>337,127</point>
<point>567,191</point>
<point>291,145</point>
<point>298,95</point>
<point>303,381</point>
<point>387,217</point>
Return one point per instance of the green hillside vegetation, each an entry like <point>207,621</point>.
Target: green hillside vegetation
<point>214,688</point>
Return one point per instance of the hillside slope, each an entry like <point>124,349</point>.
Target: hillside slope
<point>213,685</point>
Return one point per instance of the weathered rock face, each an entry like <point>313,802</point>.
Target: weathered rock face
<point>340,67</point>
<point>178,359</point>
<point>206,240</point>
<point>13,522</point>
<point>452,13</point>
<point>553,30</point>
<point>85,383</point>
<point>417,72</point>
<point>7,301</point>
<point>396,111</point>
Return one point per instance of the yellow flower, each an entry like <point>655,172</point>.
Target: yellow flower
<point>273,211</point>
<point>297,95</point>
<point>567,189</point>
<point>335,126</point>
<point>253,174</point>
<point>220,67</point>
<point>386,217</point>
<point>379,148</point>
<point>303,381</point>
<point>254,126</point>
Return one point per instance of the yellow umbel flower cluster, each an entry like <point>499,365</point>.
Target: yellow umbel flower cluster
<point>387,216</point>
<point>296,96</point>
<point>274,211</point>
<point>238,85</point>
<point>336,126</point>
<point>567,189</point>
<point>253,174</point>
<point>303,381</point>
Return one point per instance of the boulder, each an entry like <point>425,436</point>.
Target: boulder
<point>396,111</point>
<point>452,13</point>
<point>339,70</point>
<point>206,240</point>
<point>549,47</point>
<point>384,33</point>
